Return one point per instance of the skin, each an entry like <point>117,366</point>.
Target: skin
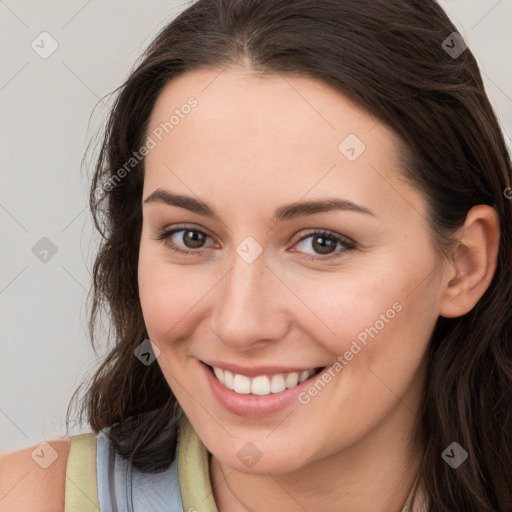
<point>251,145</point>
<point>25,485</point>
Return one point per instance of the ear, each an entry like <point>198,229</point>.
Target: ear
<point>472,263</point>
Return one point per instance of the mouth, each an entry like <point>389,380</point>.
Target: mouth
<point>262,385</point>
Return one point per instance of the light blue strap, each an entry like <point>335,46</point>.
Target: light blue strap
<point>121,487</point>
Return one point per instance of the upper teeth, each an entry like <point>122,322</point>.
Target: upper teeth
<point>261,385</point>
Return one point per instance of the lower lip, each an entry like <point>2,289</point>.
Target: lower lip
<point>254,406</point>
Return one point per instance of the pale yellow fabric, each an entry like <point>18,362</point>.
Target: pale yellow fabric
<point>81,483</point>
<point>193,472</point>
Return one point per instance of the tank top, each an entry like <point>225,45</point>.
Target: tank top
<point>100,480</point>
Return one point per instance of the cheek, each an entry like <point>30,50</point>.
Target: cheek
<point>343,307</point>
<point>377,319</point>
<point>381,356</point>
<point>159,306</point>
<point>165,315</point>
<point>171,296</point>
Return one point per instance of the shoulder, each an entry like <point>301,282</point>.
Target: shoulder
<point>34,478</point>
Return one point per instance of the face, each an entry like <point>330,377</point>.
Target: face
<point>301,247</point>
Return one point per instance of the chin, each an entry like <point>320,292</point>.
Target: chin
<point>272,465</point>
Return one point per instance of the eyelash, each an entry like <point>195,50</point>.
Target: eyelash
<point>347,244</point>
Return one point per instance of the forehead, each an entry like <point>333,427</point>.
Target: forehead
<point>245,107</point>
<point>272,135</point>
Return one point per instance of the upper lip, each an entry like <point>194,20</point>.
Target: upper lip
<point>255,371</point>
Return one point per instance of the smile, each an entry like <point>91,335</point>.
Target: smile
<point>262,384</point>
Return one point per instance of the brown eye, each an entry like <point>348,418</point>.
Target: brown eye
<point>323,244</point>
<point>193,239</point>
<point>184,240</point>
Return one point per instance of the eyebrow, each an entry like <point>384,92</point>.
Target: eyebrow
<point>286,212</point>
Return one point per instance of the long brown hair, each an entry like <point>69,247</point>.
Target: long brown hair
<point>391,57</point>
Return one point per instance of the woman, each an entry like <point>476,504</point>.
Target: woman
<point>306,259</point>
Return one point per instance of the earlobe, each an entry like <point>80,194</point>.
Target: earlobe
<point>473,262</point>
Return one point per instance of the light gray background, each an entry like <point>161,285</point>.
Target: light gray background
<point>48,115</point>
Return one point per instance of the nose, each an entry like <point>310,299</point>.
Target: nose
<point>249,309</point>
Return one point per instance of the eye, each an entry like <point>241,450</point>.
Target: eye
<point>321,241</point>
<point>324,243</point>
<point>191,238</point>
